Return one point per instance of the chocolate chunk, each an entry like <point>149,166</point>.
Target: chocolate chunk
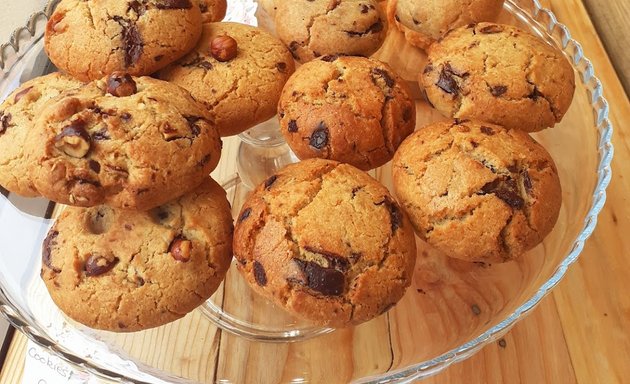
<point>327,281</point>
<point>192,123</point>
<point>395,215</point>
<point>527,181</point>
<point>121,84</point>
<point>281,67</point>
<point>329,58</point>
<point>94,166</point>
<point>269,182</point>
<point>428,68</point>
<point>49,241</point>
<point>447,82</point>
<point>173,4</point>
<point>132,43</point>
<point>535,94</point>
<point>294,46</point>
<point>5,122</point>
<point>97,265</point>
<point>506,190</point>
<point>487,130</point>
<point>490,29</point>
<point>245,214</point>
<point>416,22</point>
<point>382,74</point>
<point>374,28</point>
<point>319,138</point>
<point>203,7</point>
<point>138,7</point>
<point>292,126</point>
<point>125,116</point>
<point>101,135</point>
<point>498,90</point>
<point>335,261</point>
<point>21,94</point>
<point>364,8</point>
<point>259,274</point>
<point>204,160</point>
<point>356,190</point>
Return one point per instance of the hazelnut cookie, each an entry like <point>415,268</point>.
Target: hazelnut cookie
<point>172,259</point>
<point>17,114</point>
<point>127,142</point>
<point>237,71</point>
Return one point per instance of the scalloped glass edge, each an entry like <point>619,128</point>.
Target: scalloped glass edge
<point>542,19</point>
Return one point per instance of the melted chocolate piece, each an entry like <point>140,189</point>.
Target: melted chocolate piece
<point>98,265</point>
<point>506,190</point>
<point>49,241</point>
<point>259,274</point>
<point>319,138</point>
<point>327,281</point>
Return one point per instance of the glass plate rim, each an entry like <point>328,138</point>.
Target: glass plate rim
<point>542,17</point>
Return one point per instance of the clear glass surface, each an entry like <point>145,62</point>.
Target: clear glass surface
<point>450,312</point>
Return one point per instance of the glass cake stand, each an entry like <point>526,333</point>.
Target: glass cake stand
<point>450,312</point>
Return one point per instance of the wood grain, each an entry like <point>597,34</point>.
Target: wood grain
<point>577,335</point>
<point>611,22</point>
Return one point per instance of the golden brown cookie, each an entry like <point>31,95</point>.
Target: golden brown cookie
<point>499,74</point>
<point>92,39</point>
<point>424,22</point>
<point>312,28</point>
<point>351,109</point>
<point>127,142</point>
<point>477,191</point>
<point>126,271</point>
<point>212,10</point>
<point>326,242</point>
<point>17,113</point>
<point>241,81</point>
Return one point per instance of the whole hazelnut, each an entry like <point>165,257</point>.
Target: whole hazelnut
<point>223,48</point>
<point>121,84</point>
<point>74,140</point>
<point>180,249</point>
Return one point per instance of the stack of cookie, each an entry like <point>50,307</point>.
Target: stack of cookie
<point>479,188</point>
<point>149,235</point>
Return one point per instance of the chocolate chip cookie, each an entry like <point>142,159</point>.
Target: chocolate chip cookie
<point>477,191</point>
<point>237,71</point>
<point>91,39</point>
<point>127,142</point>
<point>326,242</point>
<point>171,260</point>
<point>424,22</point>
<point>312,28</point>
<point>17,113</point>
<point>212,10</point>
<point>351,109</point>
<point>499,74</point>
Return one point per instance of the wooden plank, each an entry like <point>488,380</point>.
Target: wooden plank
<point>593,300</point>
<point>13,367</point>
<point>611,22</point>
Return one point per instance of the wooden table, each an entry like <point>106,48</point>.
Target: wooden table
<point>581,332</point>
